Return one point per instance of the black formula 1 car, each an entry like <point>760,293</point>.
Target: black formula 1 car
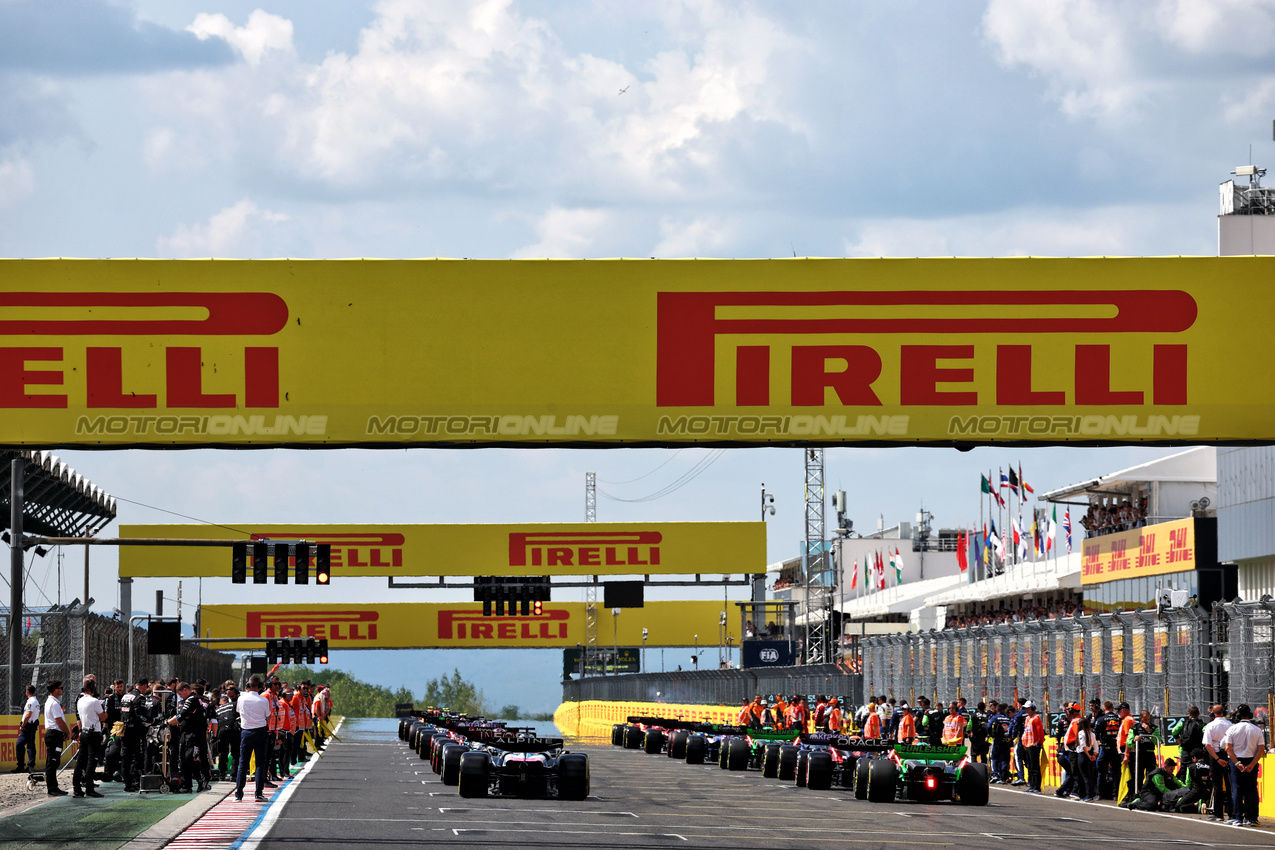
<point>521,765</point>
<point>922,772</point>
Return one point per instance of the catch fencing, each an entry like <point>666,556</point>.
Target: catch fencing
<point>1163,662</point>
<point>717,687</point>
<point>66,643</point>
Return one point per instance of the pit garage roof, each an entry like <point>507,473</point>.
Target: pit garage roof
<point>1017,580</point>
<point>1198,465</point>
<point>900,599</point>
<point>57,500</point>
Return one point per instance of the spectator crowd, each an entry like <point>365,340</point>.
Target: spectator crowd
<point>1114,516</point>
<point>1108,753</point>
<point>1021,614</point>
<point>186,735</point>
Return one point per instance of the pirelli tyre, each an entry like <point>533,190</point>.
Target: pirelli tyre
<point>617,735</point>
<point>573,776</point>
<point>653,742</point>
<point>633,738</point>
<point>436,752</point>
<point>722,750</point>
<point>451,762</point>
<point>677,744</point>
<point>696,749</point>
<point>883,780</point>
<point>737,753</point>
<point>770,761</point>
<point>974,785</point>
<point>475,774</point>
<point>819,771</point>
<point>861,778</point>
<point>802,758</point>
<point>788,762</point>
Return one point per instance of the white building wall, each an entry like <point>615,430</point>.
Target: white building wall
<point>1245,504</point>
<point>1257,579</point>
<point>1245,234</point>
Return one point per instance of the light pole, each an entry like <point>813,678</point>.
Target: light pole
<point>695,657</point>
<point>644,634</point>
<point>767,505</point>
<point>615,641</point>
<point>721,639</point>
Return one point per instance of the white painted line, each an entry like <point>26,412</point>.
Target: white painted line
<point>255,838</point>
<point>532,811</point>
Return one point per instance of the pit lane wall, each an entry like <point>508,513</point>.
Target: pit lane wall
<point>594,718</point>
<point>10,727</point>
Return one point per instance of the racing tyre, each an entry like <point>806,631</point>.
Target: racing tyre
<point>696,749</point>
<point>653,742</point>
<point>883,776</point>
<point>819,771</point>
<point>973,787</point>
<point>787,762</point>
<point>451,762</point>
<point>722,748</point>
<point>436,745</point>
<point>475,774</point>
<point>632,738</point>
<point>848,771</point>
<point>617,735</point>
<point>573,776</point>
<point>802,758</point>
<point>770,761</point>
<point>861,778</point>
<point>737,753</point>
<point>677,744</point>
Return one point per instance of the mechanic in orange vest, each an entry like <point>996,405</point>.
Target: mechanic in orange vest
<point>305,721</point>
<point>833,718</point>
<point>275,724</point>
<point>780,709</point>
<point>797,713</point>
<point>745,717</point>
<point>954,726</point>
<point>907,726</point>
<point>1033,739</point>
<point>872,723</point>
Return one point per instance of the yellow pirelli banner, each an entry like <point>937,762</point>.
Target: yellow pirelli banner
<point>1167,547</point>
<point>432,625</point>
<point>635,352</point>
<point>595,548</point>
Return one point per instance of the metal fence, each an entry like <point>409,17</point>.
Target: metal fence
<point>717,687</point>
<point>1162,662</point>
<point>65,643</point>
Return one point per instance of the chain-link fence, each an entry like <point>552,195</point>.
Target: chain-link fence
<point>717,687</point>
<point>65,643</point>
<point>1163,662</point>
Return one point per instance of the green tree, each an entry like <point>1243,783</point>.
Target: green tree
<point>509,712</point>
<point>455,694</point>
<point>350,696</point>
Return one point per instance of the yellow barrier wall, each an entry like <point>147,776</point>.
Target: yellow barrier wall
<point>10,726</point>
<point>594,718</point>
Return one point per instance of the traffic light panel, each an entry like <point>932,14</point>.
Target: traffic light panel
<point>281,563</point>
<point>302,569</point>
<point>239,563</point>
<point>523,594</point>
<point>260,555</point>
<point>272,652</point>
<point>323,650</point>
<point>323,564</point>
<point>311,648</point>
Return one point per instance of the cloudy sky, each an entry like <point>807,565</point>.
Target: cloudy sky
<point>171,128</point>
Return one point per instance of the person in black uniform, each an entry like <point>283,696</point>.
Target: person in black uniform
<point>978,733</point>
<point>210,730</point>
<point>227,733</point>
<point>1106,727</point>
<point>934,725</point>
<point>193,743</point>
<point>135,715</point>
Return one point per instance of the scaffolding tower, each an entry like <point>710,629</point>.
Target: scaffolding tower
<point>590,591</point>
<point>820,580</point>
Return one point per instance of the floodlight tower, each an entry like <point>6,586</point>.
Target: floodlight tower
<point>591,590</point>
<point>820,580</point>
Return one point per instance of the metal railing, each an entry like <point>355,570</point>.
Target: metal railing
<point>717,687</point>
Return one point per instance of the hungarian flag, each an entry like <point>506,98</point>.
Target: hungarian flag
<point>987,488</point>
<point>896,561</point>
<point>1067,527</point>
<point>854,575</point>
<point>1013,481</point>
<point>962,558</point>
<point>1022,482</point>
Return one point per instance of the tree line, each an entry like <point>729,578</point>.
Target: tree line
<point>355,698</point>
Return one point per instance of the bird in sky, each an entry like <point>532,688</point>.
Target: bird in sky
<point>623,90</point>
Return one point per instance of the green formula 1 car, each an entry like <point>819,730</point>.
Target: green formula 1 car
<point>922,772</point>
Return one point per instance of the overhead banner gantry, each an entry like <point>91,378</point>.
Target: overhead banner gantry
<point>546,549</point>
<point>333,353</point>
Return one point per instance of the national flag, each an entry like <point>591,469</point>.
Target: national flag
<point>1022,482</point>
<point>854,575</point>
<point>996,545</point>
<point>896,561</point>
<point>961,555</point>
<point>1037,541</point>
<point>1013,481</point>
<point>1020,537</point>
<point>1053,531</point>
<point>880,572</point>
<point>1004,479</point>
<point>987,488</point>
<point>1067,527</point>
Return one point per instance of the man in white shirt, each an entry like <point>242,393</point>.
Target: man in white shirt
<point>1219,767</point>
<point>254,737</point>
<point>55,733</point>
<point>91,713</point>
<point>28,729</point>
<point>1245,748</point>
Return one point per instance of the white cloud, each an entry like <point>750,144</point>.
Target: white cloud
<point>567,234</point>
<point>17,178</point>
<point>263,32</point>
<point>223,235</point>
<point>707,236</point>
<point>1119,230</point>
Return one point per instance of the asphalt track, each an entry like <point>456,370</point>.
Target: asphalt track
<point>372,791</point>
